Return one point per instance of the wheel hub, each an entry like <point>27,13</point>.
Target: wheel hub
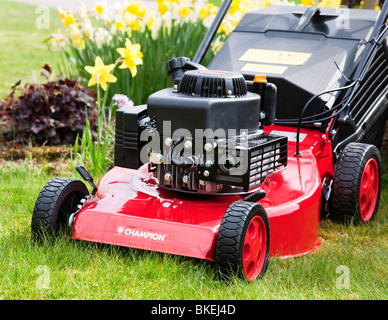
<point>254,248</point>
<point>369,189</point>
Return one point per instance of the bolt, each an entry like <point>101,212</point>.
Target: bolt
<point>168,177</point>
<point>168,142</point>
<point>188,144</point>
<point>208,147</point>
<point>208,164</point>
<point>156,158</point>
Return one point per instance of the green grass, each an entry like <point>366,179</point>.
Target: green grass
<point>82,270</point>
<point>22,52</point>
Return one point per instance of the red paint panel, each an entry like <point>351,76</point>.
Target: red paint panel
<point>134,212</point>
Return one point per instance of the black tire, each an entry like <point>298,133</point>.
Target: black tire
<point>57,200</point>
<point>356,188</point>
<point>233,254</point>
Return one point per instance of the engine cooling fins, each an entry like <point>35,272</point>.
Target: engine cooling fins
<point>213,84</point>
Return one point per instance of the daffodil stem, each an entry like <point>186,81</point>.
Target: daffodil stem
<point>105,98</point>
<point>100,115</point>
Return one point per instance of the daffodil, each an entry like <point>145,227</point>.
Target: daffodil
<point>77,38</point>
<point>67,17</point>
<point>207,10</point>
<point>99,9</point>
<point>119,25</point>
<point>184,12</point>
<point>235,6</point>
<point>131,55</point>
<point>137,9</point>
<point>162,8</point>
<point>57,41</point>
<point>102,37</point>
<point>101,74</point>
<point>150,20</point>
<point>83,12</point>
<point>216,46</point>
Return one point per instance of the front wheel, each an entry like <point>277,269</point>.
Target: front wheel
<point>243,241</point>
<point>57,200</point>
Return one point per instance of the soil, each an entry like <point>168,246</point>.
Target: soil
<point>54,159</point>
<point>42,153</point>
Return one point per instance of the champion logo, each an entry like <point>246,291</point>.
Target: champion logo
<point>120,230</point>
<point>141,234</point>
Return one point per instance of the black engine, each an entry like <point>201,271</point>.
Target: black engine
<point>203,135</point>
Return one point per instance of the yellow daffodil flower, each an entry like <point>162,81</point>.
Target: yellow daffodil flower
<point>207,10</point>
<point>235,6</point>
<point>69,20</point>
<point>101,74</point>
<point>137,9</point>
<point>162,9</point>
<point>120,25</point>
<point>151,20</point>
<point>77,38</point>
<point>184,12</point>
<point>99,9</point>
<point>67,17</point>
<point>132,56</point>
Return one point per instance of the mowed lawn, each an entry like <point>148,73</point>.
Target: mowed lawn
<point>351,262</point>
<point>22,51</point>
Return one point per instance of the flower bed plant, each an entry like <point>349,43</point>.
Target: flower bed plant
<point>52,113</point>
<point>176,29</point>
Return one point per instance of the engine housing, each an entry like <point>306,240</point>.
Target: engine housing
<point>204,134</point>
<point>207,100</point>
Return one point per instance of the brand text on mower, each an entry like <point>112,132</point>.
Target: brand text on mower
<point>141,234</point>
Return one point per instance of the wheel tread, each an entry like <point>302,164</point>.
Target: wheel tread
<point>348,173</point>
<point>42,218</point>
<point>229,239</point>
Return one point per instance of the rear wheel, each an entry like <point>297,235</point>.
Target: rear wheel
<point>57,200</point>
<point>243,241</point>
<point>357,184</point>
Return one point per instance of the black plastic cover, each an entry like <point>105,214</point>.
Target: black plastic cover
<point>192,112</point>
<point>212,84</point>
<point>299,56</point>
<point>127,138</point>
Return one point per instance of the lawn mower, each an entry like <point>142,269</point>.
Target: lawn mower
<point>239,161</point>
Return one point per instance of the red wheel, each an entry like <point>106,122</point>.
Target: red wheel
<point>255,248</point>
<point>357,184</point>
<point>243,241</point>
<point>369,189</point>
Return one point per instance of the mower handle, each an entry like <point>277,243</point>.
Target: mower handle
<point>212,31</point>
